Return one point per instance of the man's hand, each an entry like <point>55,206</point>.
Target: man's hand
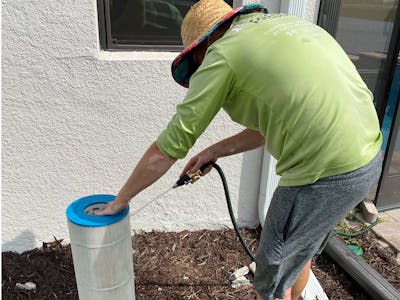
<point>200,159</point>
<point>246,140</point>
<point>112,208</point>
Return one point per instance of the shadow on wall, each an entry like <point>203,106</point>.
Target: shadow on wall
<point>23,242</point>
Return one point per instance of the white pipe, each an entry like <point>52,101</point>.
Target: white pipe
<point>293,7</point>
<point>269,179</point>
<point>101,250</point>
<point>269,182</point>
<point>249,188</point>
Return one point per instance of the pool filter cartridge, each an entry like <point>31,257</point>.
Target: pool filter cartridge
<point>101,250</point>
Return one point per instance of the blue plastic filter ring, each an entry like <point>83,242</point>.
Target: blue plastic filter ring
<point>77,215</point>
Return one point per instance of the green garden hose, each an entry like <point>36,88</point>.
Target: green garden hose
<point>357,233</point>
<point>229,204</point>
<point>236,227</point>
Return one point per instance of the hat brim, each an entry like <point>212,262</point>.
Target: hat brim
<point>183,66</point>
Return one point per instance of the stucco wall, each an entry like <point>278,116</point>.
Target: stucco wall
<point>75,120</point>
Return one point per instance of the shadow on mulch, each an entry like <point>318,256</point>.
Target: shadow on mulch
<point>184,265</point>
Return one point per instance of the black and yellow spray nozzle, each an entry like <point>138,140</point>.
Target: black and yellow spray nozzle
<point>192,177</point>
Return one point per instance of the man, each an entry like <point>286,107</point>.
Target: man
<point>296,92</point>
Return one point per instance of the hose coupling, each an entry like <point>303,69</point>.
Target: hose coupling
<point>191,177</point>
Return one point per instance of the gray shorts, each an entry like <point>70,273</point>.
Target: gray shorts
<point>298,221</point>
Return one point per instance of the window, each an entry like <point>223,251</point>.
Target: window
<point>364,29</point>
<point>142,24</point>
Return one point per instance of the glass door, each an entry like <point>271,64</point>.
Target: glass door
<point>388,196</point>
<point>369,32</point>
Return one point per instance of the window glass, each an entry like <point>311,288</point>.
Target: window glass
<point>394,169</point>
<point>391,106</point>
<point>395,162</point>
<point>146,23</point>
<point>388,196</point>
<point>364,30</point>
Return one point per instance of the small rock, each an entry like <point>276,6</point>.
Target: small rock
<point>382,244</point>
<point>28,286</point>
<point>252,267</point>
<point>368,211</point>
<point>241,281</point>
<point>185,277</point>
<point>344,223</point>
<point>239,273</point>
<point>397,259</point>
<point>159,289</point>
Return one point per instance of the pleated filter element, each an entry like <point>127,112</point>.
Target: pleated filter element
<point>101,250</point>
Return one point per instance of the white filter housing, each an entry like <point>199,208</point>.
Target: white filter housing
<point>101,250</point>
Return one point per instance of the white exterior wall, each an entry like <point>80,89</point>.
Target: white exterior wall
<point>76,120</point>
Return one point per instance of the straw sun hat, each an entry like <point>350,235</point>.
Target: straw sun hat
<point>203,18</point>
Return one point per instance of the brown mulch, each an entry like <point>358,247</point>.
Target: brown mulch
<point>184,265</point>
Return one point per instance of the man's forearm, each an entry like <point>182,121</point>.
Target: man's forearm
<point>150,168</point>
<point>246,140</point>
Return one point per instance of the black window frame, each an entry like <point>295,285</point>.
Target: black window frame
<point>105,35</point>
<point>108,44</point>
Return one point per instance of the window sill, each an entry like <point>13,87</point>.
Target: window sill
<point>136,55</point>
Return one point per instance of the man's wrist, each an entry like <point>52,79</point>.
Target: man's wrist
<point>215,151</point>
<point>123,199</point>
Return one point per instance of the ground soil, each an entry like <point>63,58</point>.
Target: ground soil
<point>184,265</point>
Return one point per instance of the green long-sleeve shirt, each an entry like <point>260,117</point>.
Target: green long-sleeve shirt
<point>291,81</point>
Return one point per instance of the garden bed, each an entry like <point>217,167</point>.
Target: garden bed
<point>184,265</point>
